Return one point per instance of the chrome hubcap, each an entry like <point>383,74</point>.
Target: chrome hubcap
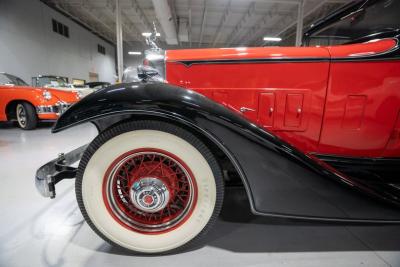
<point>149,194</point>
<point>21,116</point>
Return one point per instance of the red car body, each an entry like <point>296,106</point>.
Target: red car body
<point>322,100</point>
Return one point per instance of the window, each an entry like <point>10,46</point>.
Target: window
<point>60,28</point>
<point>377,17</point>
<point>11,79</point>
<point>101,49</point>
<point>66,31</point>
<point>50,81</point>
<point>78,83</point>
<point>54,25</point>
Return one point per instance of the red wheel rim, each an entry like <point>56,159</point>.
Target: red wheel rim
<point>149,191</point>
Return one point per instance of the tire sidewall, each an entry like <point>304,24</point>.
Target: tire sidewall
<point>129,136</point>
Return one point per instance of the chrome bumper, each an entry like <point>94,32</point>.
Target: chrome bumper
<point>59,108</point>
<point>56,170</point>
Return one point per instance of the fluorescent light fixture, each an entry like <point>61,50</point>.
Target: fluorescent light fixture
<point>148,34</point>
<point>154,57</point>
<point>134,53</point>
<point>272,39</point>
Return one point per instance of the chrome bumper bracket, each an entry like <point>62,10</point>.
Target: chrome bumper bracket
<point>56,170</point>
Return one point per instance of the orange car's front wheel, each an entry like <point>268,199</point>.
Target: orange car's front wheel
<point>26,116</point>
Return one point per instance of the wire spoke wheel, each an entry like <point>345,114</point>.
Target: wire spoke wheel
<point>149,191</point>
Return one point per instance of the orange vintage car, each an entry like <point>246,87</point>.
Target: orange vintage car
<point>28,105</point>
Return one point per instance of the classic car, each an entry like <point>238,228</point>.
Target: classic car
<point>27,105</point>
<point>311,133</point>
<point>61,83</point>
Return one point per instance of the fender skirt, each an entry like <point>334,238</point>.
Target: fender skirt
<point>279,179</point>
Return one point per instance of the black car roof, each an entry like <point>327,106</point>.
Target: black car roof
<point>338,14</point>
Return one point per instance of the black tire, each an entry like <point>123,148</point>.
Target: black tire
<point>132,128</point>
<point>26,116</point>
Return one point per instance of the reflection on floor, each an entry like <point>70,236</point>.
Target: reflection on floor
<point>40,232</point>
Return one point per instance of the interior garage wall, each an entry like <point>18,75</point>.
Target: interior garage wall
<point>29,47</point>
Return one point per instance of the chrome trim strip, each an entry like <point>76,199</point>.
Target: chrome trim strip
<point>188,63</point>
<point>59,108</point>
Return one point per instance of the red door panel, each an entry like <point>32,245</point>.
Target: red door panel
<point>362,105</point>
<point>293,111</point>
<point>266,109</point>
<point>354,112</point>
<point>244,82</point>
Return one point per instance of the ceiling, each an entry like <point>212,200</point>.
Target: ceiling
<point>197,23</point>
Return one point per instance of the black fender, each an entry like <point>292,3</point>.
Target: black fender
<point>279,179</point>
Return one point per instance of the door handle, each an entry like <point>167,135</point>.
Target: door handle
<point>299,111</point>
<point>244,109</point>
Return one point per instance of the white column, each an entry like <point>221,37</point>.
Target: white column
<point>300,20</point>
<point>120,53</point>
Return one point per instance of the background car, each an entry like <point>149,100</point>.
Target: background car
<point>27,105</point>
<point>58,82</point>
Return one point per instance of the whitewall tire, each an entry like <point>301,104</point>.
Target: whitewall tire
<point>149,187</point>
<point>26,116</point>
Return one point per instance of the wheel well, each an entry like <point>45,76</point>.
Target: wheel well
<point>231,175</point>
<point>11,107</point>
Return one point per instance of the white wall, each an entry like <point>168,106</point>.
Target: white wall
<point>29,47</point>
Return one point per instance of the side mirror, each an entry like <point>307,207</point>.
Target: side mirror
<point>146,72</point>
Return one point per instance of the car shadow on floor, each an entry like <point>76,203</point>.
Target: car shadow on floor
<point>12,125</point>
<point>240,231</point>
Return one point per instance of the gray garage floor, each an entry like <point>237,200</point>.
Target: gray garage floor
<point>40,232</point>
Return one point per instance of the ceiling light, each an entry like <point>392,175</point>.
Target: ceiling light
<point>272,39</point>
<point>152,57</point>
<point>148,34</point>
<point>134,53</point>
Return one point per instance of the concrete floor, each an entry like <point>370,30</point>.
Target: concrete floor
<point>41,232</point>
